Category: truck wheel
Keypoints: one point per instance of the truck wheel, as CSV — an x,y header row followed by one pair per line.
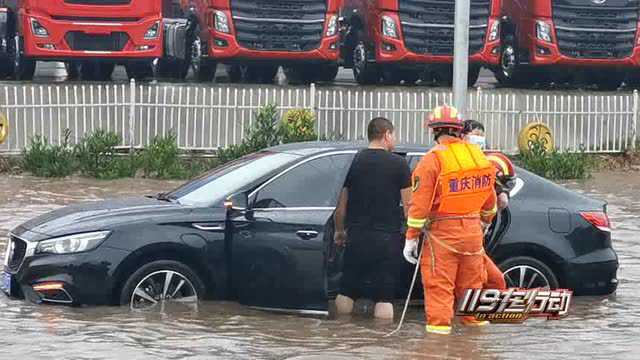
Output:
x,y
164,68
365,72
237,73
23,68
262,74
474,74
204,69
139,70
509,72
73,70
443,75
632,81
608,80
328,72
528,273
160,282
96,71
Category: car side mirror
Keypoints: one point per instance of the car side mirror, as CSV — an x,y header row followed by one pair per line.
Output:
x,y
238,202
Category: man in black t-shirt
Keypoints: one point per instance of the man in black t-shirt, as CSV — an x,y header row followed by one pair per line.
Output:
x,y
369,211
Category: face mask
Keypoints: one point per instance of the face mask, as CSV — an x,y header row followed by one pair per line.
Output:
x,y
477,140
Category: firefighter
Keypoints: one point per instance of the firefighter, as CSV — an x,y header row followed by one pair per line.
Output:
x,y
505,173
453,192
368,221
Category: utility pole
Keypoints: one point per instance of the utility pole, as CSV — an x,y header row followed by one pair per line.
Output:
x,y
461,55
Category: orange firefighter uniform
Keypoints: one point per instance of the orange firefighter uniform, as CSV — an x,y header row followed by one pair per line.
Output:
x,y
453,191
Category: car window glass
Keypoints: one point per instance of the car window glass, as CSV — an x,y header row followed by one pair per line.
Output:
x,y
212,189
315,183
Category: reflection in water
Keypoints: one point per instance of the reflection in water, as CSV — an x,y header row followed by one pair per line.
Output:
x,y
597,327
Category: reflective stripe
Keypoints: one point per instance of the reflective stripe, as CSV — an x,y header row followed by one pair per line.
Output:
x,y
439,329
416,223
490,212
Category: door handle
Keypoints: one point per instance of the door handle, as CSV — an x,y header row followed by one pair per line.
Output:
x,y
209,227
307,234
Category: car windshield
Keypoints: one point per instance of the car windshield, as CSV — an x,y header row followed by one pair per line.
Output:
x,y
212,188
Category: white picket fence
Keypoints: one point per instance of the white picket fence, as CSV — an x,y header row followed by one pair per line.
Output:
x,y
207,118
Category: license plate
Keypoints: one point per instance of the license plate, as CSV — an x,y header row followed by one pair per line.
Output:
x,y
5,282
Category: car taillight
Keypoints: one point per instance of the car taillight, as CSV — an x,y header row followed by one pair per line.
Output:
x,y
598,219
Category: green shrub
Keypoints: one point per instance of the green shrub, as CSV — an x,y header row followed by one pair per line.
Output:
x,y
98,157
298,125
161,159
556,165
46,160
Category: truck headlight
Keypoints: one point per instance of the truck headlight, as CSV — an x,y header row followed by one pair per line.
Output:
x,y
72,243
543,31
389,27
332,26
153,31
221,22
37,29
493,31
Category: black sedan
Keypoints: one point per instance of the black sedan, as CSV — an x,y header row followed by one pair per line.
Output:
x,y
259,230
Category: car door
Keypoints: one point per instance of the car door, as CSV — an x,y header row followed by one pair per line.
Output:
x,y
279,257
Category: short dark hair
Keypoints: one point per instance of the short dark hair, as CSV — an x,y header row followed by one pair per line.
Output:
x,y
437,133
470,125
378,127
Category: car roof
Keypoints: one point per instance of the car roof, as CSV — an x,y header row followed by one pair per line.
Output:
x,y
317,147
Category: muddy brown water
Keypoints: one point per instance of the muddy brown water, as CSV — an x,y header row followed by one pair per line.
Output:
x,y
597,327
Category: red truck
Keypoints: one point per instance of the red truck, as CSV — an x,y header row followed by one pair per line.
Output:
x,y
91,36
404,40
252,37
569,40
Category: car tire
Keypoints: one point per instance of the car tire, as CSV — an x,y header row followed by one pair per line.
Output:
x,y
510,72
156,267
474,75
536,273
23,67
204,69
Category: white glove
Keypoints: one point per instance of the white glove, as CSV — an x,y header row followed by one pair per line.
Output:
x,y
410,251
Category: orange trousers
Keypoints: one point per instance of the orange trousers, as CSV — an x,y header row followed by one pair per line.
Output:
x,y
495,278
445,277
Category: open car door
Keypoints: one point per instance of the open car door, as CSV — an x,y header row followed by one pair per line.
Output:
x,y
278,247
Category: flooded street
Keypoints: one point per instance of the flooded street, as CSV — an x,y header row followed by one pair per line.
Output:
x,y
597,327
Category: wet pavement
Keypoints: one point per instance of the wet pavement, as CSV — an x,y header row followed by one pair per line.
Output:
x,y
597,327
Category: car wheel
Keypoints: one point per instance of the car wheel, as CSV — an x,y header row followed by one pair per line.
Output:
x,y
528,273
162,282
204,69
23,67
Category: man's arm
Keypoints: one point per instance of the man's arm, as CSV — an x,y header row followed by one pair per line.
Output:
x,y
489,209
405,194
340,235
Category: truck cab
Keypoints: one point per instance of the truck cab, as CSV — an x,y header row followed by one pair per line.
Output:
x,y
91,36
407,40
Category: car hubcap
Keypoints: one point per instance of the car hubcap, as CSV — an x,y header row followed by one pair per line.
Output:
x,y
508,61
162,287
526,277
196,54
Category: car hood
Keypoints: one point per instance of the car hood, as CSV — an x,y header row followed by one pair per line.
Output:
x,y
98,215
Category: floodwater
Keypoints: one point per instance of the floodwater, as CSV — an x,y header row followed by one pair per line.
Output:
x,y
597,327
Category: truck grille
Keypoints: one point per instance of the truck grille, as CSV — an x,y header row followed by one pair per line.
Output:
x,y
98,2
428,25
279,25
588,30
17,249
78,40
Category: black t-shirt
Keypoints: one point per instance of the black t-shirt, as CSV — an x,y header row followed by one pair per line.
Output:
x,y
374,182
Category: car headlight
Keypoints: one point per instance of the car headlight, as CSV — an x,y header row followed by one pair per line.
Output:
x,y
543,31
72,243
389,27
493,31
153,32
221,22
37,29
332,26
